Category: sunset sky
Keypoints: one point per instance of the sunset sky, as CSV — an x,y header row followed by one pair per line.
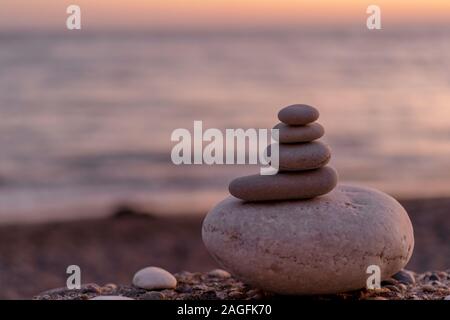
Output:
x,y
172,14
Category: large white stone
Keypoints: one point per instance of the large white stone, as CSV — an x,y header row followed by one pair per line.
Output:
x,y
154,278
317,246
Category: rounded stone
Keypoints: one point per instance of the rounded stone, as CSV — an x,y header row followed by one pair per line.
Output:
x,y
219,273
296,134
284,186
318,246
405,277
154,278
298,114
302,156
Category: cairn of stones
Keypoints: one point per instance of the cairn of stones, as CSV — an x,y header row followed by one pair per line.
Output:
x,y
303,171
288,234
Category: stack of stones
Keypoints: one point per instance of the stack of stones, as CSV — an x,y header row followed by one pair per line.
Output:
x,y
296,232
303,173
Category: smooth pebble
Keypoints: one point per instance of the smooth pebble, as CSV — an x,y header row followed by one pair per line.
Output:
x,y
298,114
296,134
284,186
302,156
152,278
219,273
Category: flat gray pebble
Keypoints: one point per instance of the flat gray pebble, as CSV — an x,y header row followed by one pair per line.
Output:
x,y
405,277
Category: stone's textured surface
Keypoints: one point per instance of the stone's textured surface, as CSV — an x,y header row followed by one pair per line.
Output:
x,y
284,186
111,298
296,134
303,156
405,277
298,114
152,278
318,246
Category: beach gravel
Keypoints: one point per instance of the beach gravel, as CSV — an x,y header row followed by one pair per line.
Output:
x,y
207,286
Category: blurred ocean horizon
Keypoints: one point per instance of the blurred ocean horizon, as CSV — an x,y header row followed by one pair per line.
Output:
x,y
86,119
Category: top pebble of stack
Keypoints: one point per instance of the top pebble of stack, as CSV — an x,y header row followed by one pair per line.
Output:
x,y
298,115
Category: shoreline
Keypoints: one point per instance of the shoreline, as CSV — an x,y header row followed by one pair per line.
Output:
x,y
159,205
34,257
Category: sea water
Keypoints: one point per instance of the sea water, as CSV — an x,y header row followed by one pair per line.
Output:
x,y
86,118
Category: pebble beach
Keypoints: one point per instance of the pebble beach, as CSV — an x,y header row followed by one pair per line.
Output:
x,y
214,286
34,257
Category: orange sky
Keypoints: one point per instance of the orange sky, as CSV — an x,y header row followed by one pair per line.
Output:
x,y
217,13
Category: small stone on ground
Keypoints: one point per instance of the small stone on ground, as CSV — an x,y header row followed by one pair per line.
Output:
x,y
154,278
